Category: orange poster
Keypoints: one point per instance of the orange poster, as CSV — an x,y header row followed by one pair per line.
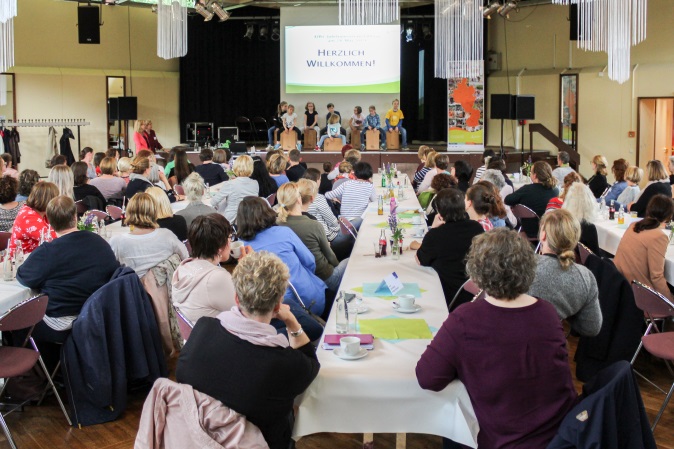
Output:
x,y
465,111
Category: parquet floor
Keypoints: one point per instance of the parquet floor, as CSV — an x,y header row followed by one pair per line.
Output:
x,y
45,428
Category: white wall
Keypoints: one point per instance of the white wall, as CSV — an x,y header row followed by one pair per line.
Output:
x,y
344,103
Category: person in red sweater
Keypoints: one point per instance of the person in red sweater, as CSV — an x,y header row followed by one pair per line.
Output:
x,y
508,349
32,220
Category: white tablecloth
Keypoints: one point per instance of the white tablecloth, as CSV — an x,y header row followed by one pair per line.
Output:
x,y
380,393
12,293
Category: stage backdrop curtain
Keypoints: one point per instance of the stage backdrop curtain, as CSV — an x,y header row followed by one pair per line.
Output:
x,y
224,76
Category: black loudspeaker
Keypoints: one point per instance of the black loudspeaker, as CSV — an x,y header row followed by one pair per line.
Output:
x,y
88,28
502,107
127,108
573,22
238,147
525,107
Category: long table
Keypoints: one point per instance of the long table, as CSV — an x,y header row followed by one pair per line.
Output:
x,y
380,392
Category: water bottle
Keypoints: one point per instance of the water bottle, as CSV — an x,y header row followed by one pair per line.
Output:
x,y
7,268
380,205
18,254
208,190
401,191
342,317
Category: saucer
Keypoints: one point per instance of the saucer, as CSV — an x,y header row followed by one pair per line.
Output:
x,y
339,353
414,309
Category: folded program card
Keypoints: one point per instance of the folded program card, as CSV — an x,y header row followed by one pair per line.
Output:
x,y
391,283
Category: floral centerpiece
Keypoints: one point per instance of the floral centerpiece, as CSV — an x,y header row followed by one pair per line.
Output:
x,y
526,168
87,222
396,232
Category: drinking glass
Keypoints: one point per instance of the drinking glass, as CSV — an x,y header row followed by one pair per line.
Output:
x,y
377,249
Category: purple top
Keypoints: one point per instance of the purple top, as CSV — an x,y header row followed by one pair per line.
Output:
x,y
515,366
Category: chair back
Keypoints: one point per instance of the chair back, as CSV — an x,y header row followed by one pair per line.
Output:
x,y
347,227
260,124
115,212
4,240
184,324
271,199
188,246
583,253
25,314
99,214
81,207
179,189
651,302
470,287
297,295
521,211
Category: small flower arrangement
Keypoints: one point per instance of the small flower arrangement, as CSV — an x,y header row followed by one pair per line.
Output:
x,y
670,227
396,232
86,222
526,168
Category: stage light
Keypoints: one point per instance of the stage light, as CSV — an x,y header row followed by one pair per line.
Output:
x,y
490,9
426,32
264,31
275,32
215,7
506,8
250,30
409,33
203,11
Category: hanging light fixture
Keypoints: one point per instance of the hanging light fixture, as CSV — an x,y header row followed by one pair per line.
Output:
x,y
458,38
368,12
201,9
264,32
409,32
217,8
172,28
504,10
250,30
490,9
7,10
426,32
613,26
7,14
275,32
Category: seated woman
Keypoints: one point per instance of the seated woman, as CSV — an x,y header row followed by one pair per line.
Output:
x,y
496,178
481,204
181,169
463,171
210,171
597,183
440,162
632,192
27,180
423,167
345,173
232,192
509,366
9,207
570,287
440,182
266,183
84,192
124,167
535,196
194,194
618,169
256,223
311,233
355,195
445,246
145,245
240,360
62,177
109,183
277,166
496,163
486,157
580,201
31,221
641,252
141,168
658,184
201,287
165,217
558,201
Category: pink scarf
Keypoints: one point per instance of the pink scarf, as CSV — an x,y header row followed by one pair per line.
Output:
x,y
250,330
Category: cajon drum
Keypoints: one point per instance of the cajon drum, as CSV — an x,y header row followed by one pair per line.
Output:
x,y
372,139
309,138
355,138
288,140
392,140
334,144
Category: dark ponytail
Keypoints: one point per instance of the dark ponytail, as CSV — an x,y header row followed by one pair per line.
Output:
x,y
659,210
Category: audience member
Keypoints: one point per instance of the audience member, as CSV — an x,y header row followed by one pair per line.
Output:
x,y
658,184
240,360
347,152
212,172
181,169
194,193
9,169
231,193
422,168
486,157
440,182
463,171
558,201
295,169
508,365
345,173
84,192
618,169
535,196
277,166
325,185
124,167
58,159
630,195
496,163
481,205
497,213
9,207
98,157
87,156
496,178
165,217
31,221
27,180
266,183
597,183
580,201
355,195
109,184
221,156
441,164
563,168
62,177
570,287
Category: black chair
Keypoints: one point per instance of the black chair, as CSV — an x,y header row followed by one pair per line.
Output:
x,y
246,130
260,126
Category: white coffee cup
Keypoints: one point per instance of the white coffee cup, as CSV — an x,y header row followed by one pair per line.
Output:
x,y
350,345
236,248
416,220
406,301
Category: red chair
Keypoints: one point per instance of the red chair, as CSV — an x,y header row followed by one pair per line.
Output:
x,y
81,207
470,287
271,199
99,214
656,307
15,361
583,253
520,211
347,227
115,212
184,324
4,240
178,189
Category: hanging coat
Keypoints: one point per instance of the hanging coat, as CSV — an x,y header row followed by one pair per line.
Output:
x,y
65,145
14,150
52,147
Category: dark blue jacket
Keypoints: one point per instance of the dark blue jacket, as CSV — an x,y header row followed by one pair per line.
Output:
x,y
115,341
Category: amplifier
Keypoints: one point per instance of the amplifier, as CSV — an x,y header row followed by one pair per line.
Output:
x,y
226,133
199,132
238,147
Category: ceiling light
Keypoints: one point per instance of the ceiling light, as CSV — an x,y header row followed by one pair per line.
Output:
x,y
409,34
203,11
250,30
264,32
218,10
275,32
426,32
506,8
490,9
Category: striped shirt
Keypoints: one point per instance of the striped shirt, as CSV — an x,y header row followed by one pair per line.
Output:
x,y
478,174
420,175
354,196
323,213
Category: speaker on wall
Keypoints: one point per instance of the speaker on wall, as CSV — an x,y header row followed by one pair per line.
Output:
x,y
127,108
502,106
88,28
525,107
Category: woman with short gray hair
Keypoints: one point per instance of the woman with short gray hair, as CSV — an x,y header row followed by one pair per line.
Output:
x,y
194,189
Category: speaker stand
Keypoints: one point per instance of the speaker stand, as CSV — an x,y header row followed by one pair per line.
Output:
x,y
522,147
502,149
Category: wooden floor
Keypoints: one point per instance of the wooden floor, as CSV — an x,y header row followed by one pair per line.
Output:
x,y
45,427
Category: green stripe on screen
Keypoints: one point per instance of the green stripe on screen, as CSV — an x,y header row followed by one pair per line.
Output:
x,y
382,88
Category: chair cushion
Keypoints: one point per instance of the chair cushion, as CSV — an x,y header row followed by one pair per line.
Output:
x,y
660,344
16,361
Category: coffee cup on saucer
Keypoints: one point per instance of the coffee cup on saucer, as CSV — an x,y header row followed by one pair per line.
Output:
x,y
350,345
406,301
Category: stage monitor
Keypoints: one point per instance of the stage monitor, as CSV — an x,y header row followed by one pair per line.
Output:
x,y
342,59
525,107
502,107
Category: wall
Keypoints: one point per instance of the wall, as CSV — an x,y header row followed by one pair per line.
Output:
x,y
538,41
57,78
344,103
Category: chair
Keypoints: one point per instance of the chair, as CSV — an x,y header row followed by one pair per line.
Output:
x,y
310,138
271,199
288,140
372,137
99,214
334,144
15,361
392,140
178,189
355,138
4,240
470,287
583,253
82,207
184,324
522,212
260,126
188,247
656,307
115,212
347,227
246,130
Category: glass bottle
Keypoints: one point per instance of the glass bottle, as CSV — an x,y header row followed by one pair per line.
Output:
x,y
611,211
342,314
380,205
621,215
18,254
7,268
383,179
395,249
401,192
382,242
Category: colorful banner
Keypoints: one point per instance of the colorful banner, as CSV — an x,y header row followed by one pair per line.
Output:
x,y
465,113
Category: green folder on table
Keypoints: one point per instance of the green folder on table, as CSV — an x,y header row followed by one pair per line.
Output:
x,y
396,328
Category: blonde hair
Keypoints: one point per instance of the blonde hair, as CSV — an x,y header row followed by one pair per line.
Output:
x,y
569,180
108,166
580,202
243,166
601,163
634,174
141,211
430,159
124,165
137,125
334,118
162,202
308,189
345,167
656,170
140,164
562,232
287,196
352,153
543,173
194,187
277,164
63,177
260,280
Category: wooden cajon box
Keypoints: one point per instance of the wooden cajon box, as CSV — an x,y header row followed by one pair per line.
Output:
x,y
288,140
309,138
355,138
392,140
372,139
334,144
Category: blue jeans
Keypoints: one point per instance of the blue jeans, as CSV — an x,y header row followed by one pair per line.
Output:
x,y
403,133
336,277
382,136
310,326
320,143
270,135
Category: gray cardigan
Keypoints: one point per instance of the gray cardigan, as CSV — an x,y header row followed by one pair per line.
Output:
x,y
227,200
573,292
193,210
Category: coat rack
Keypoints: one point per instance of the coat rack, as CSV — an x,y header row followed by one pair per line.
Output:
x,y
37,123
